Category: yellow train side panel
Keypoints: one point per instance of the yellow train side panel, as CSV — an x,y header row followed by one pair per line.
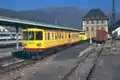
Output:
x,y
55,40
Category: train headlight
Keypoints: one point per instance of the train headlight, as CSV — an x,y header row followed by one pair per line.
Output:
x,y
24,44
39,44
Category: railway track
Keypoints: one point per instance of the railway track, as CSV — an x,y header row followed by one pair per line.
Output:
x,y
91,74
80,70
7,61
10,63
15,65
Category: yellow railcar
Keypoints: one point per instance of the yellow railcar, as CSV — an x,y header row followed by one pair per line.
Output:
x,y
40,39
35,40
83,36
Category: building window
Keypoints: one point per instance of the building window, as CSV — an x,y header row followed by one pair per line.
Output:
x,y
97,28
87,22
102,28
87,29
105,21
92,22
92,28
102,21
97,21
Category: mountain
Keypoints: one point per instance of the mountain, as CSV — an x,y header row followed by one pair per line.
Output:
x,y
65,16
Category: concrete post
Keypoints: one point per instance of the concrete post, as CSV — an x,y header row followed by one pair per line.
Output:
x,y
90,36
17,38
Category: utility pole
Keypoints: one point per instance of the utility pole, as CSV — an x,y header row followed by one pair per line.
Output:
x,y
113,13
113,20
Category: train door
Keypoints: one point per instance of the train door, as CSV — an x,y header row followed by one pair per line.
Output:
x,y
69,38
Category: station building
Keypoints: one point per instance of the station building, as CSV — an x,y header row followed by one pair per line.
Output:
x,y
95,20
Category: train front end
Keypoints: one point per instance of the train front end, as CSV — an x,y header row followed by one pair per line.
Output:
x,y
32,44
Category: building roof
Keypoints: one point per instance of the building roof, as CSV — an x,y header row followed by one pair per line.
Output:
x,y
27,23
95,14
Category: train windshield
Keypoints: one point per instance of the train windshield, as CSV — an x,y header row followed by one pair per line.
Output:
x,y
25,35
39,35
28,35
31,35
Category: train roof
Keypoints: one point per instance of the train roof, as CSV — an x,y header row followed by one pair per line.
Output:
x,y
29,23
8,33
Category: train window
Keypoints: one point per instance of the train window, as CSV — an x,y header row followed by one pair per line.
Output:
x,y
62,35
69,35
25,35
31,35
55,35
52,36
45,36
39,35
72,35
59,35
65,35
48,36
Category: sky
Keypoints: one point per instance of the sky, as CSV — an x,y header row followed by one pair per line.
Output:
x,y
19,5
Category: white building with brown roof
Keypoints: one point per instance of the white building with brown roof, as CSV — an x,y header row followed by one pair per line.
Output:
x,y
95,20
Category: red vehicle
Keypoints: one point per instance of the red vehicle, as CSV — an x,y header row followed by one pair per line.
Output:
x,y
101,36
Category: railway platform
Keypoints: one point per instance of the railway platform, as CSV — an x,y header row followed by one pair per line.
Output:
x,y
53,67
108,64
73,63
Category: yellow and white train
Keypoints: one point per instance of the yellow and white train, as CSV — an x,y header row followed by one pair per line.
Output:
x,y
37,42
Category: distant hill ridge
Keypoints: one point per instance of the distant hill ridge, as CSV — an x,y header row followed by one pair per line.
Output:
x,y
66,16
